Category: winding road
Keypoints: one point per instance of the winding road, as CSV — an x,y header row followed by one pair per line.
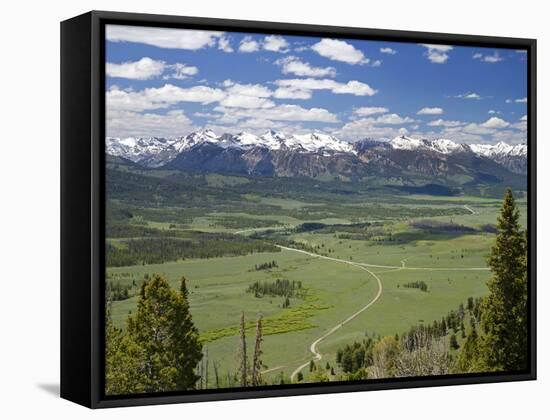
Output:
x,y
363,266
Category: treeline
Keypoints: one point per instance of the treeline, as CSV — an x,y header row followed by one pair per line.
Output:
x,y
279,287
416,285
265,266
202,245
236,222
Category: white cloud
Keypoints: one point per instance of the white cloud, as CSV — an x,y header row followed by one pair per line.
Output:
x,y
225,45
488,58
247,96
143,69
257,90
437,53
158,98
291,93
469,95
493,112
181,71
275,43
495,122
186,39
129,123
245,101
280,113
248,45
294,65
352,87
524,118
376,63
445,123
521,100
339,51
366,111
388,50
368,128
430,111
392,119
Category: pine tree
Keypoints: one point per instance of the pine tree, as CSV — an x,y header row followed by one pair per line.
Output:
x,y
161,345
453,343
243,359
257,363
504,311
468,358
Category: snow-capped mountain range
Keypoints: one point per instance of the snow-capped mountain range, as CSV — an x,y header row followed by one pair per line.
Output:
x,y
140,149
250,149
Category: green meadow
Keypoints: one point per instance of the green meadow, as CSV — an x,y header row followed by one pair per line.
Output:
x,y
401,238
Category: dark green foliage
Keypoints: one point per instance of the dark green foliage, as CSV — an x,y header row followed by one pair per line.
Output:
x,y
279,287
453,343
160,348
505,309
266,266
199,245
119,291
417,285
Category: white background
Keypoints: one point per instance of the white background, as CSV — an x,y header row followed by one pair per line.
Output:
x,y
29,206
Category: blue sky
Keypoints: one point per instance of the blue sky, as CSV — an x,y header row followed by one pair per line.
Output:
x,y
169,82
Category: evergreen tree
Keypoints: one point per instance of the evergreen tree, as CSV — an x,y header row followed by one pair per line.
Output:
x,y
243,359
257,363
504,311
300,377
453,342
468,358
161,347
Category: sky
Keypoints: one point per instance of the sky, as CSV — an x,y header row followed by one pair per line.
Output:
x,y
170,82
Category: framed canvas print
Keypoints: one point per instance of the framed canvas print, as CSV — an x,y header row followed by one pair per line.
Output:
x,y
255,209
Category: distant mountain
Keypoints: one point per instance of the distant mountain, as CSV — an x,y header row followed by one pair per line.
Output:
x,y
321,155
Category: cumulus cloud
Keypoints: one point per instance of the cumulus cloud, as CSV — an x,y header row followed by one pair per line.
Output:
x,y
294,65
368,128
437,53
495,122
430,111
248,45
280,113
338,50
291,93
365,111
180,71
186,39
129,123
388,50
275,43
488,58
143,69
445,123
524,118
225,45
353,87
468,95
158,98
247,96
392,119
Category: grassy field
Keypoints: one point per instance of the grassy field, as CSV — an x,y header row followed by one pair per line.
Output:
x,y
364,228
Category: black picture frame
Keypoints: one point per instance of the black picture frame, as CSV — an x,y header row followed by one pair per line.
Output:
x,y
83,215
